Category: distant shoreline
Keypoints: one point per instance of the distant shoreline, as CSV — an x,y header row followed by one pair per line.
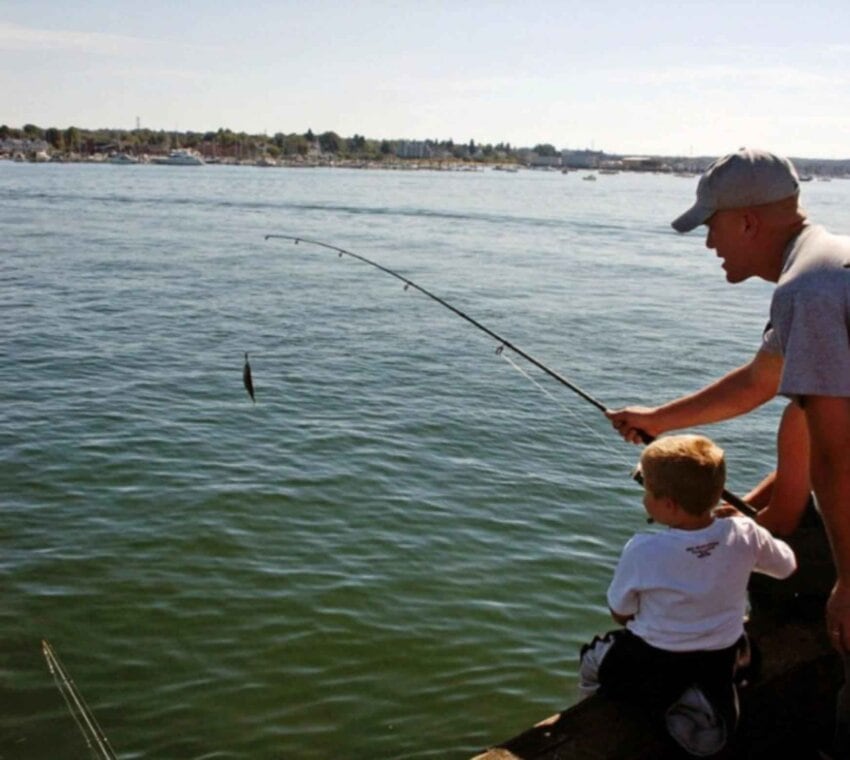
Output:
x,y
386,165
808,169
329,149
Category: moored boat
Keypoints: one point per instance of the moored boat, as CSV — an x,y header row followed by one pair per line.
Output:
x,y
122,158
179,157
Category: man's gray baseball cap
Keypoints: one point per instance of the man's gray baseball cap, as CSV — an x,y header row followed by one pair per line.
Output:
x,y
746,178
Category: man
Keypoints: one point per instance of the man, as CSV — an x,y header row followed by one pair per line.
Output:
x,y
749,202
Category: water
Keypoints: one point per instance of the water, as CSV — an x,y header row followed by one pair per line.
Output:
x,y
398,550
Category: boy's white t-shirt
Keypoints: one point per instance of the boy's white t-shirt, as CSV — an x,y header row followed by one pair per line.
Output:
x,y
687,589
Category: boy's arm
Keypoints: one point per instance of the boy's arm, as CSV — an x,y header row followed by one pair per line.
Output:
x,y
622,593
774,557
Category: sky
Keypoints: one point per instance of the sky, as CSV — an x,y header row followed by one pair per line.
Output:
x,y
636,77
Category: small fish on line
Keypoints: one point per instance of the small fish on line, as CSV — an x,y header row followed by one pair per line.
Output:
x,y
247,379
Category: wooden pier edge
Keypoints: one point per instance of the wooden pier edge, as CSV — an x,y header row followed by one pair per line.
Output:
x,y
787,712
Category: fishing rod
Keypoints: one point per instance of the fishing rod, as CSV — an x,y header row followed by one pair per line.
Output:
x,y
504,343
80,711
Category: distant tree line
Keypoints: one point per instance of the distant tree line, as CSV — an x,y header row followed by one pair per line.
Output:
x,y
225,143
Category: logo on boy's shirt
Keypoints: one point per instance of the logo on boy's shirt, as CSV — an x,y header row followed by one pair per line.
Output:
x,y
703,550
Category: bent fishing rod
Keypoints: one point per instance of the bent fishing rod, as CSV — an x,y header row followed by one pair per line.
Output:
x,y
504,343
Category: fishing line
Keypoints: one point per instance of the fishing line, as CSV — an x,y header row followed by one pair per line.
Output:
x,y
729,497
80,711
605,441
635,472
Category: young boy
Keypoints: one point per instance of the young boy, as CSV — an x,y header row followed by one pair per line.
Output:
x,y
681,593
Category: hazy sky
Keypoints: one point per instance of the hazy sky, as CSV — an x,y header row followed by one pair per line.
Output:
x,y
641,76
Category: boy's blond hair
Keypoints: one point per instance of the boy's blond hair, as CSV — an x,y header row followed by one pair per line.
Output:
x,y
689,469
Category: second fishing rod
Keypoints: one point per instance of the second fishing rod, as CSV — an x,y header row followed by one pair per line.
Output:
x,y
504,343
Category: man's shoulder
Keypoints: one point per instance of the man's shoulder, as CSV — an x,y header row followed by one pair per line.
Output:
x,y
814,250
824,241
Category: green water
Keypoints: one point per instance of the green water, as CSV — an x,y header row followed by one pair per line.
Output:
x,y
398,550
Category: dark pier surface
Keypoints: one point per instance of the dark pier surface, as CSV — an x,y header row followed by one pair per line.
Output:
x,y
787,711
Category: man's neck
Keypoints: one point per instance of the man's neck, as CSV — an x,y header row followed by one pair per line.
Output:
x,y
775,259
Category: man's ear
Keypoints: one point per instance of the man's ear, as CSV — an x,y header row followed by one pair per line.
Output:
x,y
750,223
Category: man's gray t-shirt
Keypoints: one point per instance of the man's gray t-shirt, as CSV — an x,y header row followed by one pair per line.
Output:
x,y
810,315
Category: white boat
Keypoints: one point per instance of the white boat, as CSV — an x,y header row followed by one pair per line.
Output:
x,y
122,158
179,157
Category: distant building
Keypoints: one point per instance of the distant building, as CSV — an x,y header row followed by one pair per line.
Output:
x,y
581,159
611,164
441,154
644,164
525,155
10,146
543,161
412,149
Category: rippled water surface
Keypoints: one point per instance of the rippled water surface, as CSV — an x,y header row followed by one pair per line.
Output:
x,y
394,553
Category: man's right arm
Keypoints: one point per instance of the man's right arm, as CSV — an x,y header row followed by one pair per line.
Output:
x,y
736,393
828,419
781,498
